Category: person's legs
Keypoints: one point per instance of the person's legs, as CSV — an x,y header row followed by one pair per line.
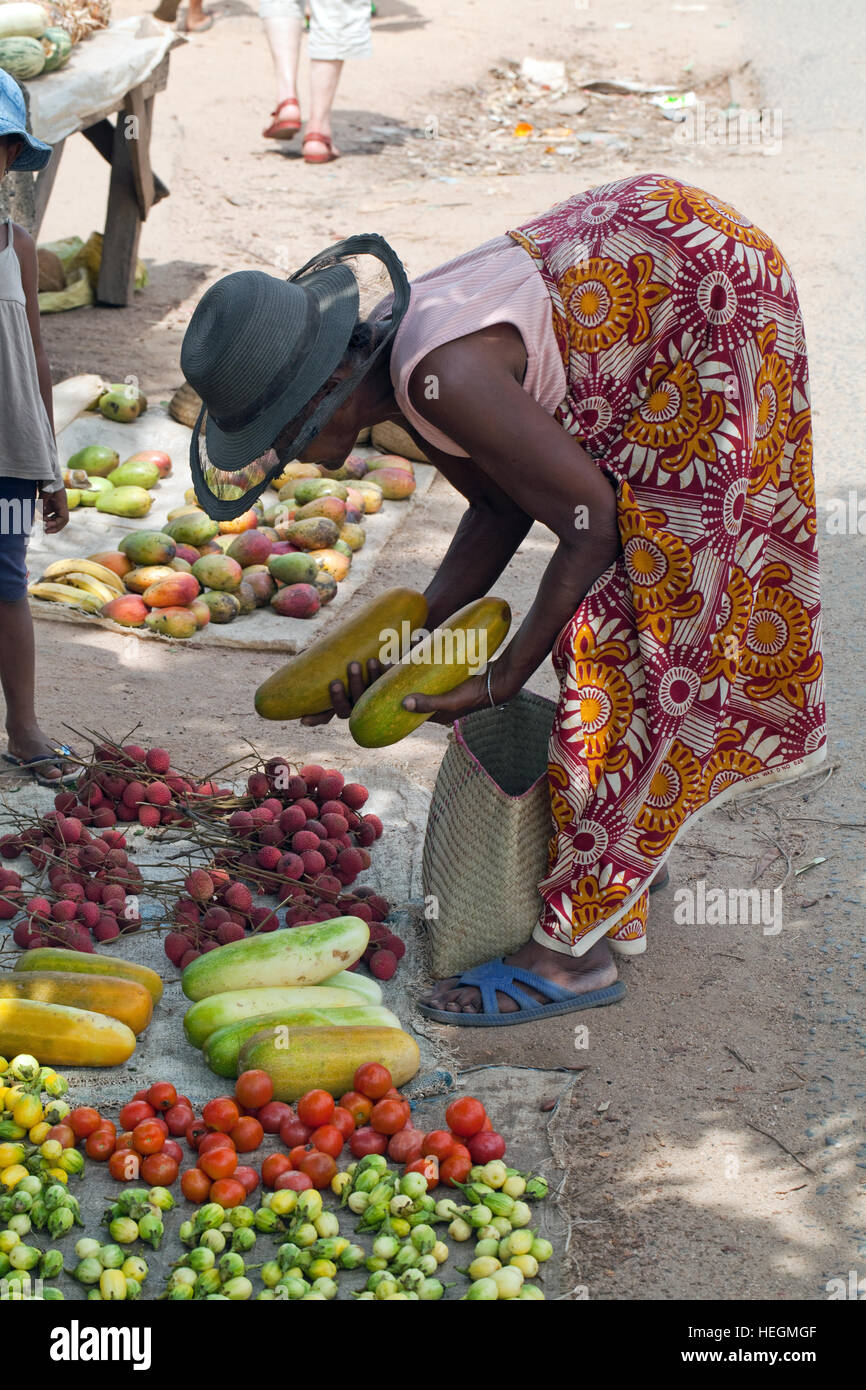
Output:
x,y
17,655
339,29
284,25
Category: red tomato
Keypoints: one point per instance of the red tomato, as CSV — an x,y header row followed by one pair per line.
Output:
x,y
247,1134
108,1126
294,1132
438,1144
124,1165
428,1167
195,1132
359,1107
99,1145
147,1137
184,1100
218,1163
195,1185
486,1145
247,1177
328,1139
406,1145
254,1088
487,1127
162,1096
140,1095
123,1140
172,1150
215,1141
343,1121
64,1134
454,1169
228,1192
160,1170
316,1108
83,1121
388,1116
392,1094
319,1167
158,1120
460,1151
273,1165
297,1153
298,1182
466,1116
367,1141
179,1118
133,1113
272,1115
221,1114
373,1080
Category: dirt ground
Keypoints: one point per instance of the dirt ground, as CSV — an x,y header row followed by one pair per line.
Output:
x,y
714,1134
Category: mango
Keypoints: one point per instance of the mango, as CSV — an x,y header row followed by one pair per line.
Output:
x,y
174,592
292,472
372,495
325,585
332,561
313,534
353,467
223,607
172,622
262,585
187,509
148,548
73,498
245,522
396,483
125,501
297,568
343,548
222,543
196,529
127,609
135,473
353,535
296,601
90,496
95,460
218,572
157,456
120,404
354,500
183,566
201,611
128,389
381,461
188,553
307,489
246,597
140,579
332,507
113,560
250,548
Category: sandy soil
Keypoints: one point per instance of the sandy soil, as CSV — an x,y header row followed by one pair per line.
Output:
x,y
712,1136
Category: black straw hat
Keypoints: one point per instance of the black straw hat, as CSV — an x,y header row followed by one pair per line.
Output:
x,y
258,349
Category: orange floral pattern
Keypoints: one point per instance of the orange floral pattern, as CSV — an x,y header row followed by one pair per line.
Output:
x,y
693,667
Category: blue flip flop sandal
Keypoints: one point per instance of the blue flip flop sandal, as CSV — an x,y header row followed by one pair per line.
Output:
x,y
496,975
31,765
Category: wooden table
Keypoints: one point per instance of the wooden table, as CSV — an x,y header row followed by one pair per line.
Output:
x,y
133,188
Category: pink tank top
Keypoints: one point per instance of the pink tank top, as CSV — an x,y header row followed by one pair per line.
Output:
x,y
496,283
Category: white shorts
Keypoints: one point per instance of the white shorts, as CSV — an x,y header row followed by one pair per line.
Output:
x,y
338,28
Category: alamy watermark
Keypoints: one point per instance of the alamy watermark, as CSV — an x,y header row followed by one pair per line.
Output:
x,y
444,646
746,126
16,516
722,907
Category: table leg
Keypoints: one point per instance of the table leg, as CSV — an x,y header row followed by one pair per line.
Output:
x,y
122,224
43,185
101,137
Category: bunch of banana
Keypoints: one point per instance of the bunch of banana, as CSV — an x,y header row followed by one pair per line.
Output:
x,y
85,584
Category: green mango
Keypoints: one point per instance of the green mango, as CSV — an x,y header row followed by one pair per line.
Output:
x,y
94,460
135,473
121,404
90,496
125,501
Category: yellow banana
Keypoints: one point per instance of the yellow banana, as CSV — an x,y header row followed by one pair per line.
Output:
x,y
65,593
90,586
79,565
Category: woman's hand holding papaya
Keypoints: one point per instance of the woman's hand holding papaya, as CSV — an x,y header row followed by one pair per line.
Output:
x,y
344,695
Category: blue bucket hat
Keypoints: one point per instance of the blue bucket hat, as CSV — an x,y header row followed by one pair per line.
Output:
x,y
13,121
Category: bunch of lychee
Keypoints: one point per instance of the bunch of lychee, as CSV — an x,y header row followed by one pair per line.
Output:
x,y
131,783
91,878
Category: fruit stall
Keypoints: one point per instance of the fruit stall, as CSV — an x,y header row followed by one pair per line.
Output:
x,y
140,556
212,1084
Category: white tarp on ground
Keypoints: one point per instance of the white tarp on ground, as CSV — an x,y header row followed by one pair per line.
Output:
x,y
101,70
90,531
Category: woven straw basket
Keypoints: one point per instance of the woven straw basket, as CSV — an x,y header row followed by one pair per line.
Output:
x,y
487,834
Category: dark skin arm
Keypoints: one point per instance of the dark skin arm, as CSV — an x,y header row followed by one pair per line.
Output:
x,y
55,512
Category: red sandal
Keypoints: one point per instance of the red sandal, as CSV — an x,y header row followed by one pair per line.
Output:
x,y
324,140
283,129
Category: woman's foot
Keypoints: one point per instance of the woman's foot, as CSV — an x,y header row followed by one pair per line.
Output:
x,y
285,120
30,743
319,148
579,974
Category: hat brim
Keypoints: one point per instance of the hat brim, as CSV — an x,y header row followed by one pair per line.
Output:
x,y
34,156
337,317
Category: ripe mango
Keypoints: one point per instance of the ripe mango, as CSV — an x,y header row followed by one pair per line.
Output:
x,y
396,483
372,495
261,583
292,472
297,568
175,592
246,596
223,607
250,548
307,489
296,601
157,456
381,461
114,560
201,611
353,535
332,507
140,579
218,572
333,561
353,467
172,622
245,522
125,501
148,548
127,609
325,585
121,404
313,534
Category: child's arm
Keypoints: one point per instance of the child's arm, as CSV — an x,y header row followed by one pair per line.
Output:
x,y
55,511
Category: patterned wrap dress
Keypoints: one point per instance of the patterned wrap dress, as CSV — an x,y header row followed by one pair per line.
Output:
x,y
692,669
